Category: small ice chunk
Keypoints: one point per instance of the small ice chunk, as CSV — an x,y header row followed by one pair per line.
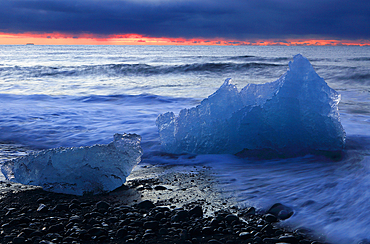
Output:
x,y
78,170
296,114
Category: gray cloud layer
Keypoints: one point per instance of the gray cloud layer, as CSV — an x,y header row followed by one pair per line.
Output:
x,y
240,19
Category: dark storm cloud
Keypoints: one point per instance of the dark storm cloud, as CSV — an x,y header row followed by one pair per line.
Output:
x,y
240,19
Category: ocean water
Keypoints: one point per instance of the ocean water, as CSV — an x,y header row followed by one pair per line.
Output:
x,y
52,96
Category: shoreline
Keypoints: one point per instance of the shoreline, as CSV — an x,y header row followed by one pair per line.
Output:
x,y
157,204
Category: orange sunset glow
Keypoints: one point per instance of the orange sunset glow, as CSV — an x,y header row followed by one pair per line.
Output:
x,y
137,39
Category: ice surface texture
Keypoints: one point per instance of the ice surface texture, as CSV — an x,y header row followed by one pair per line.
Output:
x,y
296,114
78,170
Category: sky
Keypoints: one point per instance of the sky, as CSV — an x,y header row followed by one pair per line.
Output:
x,y
218,22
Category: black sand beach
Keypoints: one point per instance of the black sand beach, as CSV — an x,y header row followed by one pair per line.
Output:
x,y
156,205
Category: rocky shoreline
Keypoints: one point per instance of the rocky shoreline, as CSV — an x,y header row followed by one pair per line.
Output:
x,y
170,207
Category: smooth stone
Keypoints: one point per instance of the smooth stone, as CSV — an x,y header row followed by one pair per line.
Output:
x,y
151,225
97,231
19,240
56,228
214,222
42,208
281,211
102,205
197,211
289,239
207,230
61,207
257,239
163,231
160,188
28,231
270,218
245,235
121,232
251,211
36,233
46,242
75,219
93,215
148,235
74,206
147,204
159,216
214,241
268,229
231,217
270,240
180,216
112,220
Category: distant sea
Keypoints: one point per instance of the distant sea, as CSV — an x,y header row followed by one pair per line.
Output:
x,y
52,96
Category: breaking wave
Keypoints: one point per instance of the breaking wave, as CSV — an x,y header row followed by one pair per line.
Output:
x,y
131,69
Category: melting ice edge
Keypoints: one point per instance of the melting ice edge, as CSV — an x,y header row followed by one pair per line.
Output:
x,y
294,115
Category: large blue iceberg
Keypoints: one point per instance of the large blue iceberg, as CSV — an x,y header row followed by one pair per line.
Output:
x,y
296,114
78,170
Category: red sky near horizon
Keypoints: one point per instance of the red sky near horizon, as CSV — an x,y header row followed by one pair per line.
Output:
x,y
136,39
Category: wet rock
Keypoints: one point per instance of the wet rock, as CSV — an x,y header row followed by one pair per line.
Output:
x,y
257,240
148,236
214,241
159,216
160,188
70,239
153,225
289,239
231,217
56,228
163,231
27,231
46,242
245,235
61,207
250,211
74,206
271,240
41,200
197,212
281,211
268,229
42,208
214,222
112,220
147,204
97,231
19,240
102,205
310,242
207,231
36,233
270,218
195,231
180,216
121,232
23,220
93,215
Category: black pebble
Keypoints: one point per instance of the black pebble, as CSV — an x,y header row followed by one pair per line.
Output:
x,y
160,188
102,205
197,211
146,205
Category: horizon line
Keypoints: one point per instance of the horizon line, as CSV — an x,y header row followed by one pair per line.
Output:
x,y
137,39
